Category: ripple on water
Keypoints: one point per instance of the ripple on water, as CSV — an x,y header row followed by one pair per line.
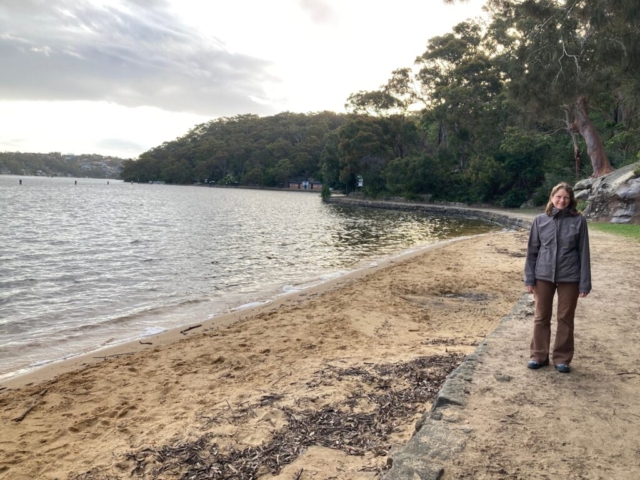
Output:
x,y
79,266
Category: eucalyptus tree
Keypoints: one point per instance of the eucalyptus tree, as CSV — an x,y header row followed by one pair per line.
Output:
x,y
460,81
560,56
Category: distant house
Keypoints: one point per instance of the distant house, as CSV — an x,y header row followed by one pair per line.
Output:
x,y
305,185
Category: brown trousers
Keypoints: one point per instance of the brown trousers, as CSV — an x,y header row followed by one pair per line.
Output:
x,y
567,302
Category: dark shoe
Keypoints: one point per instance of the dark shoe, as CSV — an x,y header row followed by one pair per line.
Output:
x,y
536,365
563,368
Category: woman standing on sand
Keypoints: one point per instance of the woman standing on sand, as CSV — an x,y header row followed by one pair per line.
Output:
x,y
557,260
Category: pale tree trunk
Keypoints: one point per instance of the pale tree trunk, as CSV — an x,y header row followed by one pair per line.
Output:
x,y
574,139
442,135
595,147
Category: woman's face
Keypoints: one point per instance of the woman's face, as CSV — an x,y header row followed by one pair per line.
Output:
x,y
561,199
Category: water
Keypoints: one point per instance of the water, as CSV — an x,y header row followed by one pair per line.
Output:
x,y
94,264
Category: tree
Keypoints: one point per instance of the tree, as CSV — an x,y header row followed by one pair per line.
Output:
x,y
364,150
562,54
282,172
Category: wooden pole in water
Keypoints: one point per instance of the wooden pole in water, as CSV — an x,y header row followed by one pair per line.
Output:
x,y
20,181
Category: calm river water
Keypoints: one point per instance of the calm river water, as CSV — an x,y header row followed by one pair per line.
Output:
x,y
89,265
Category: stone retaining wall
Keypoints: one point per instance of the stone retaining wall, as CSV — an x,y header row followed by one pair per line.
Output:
x,y
491,216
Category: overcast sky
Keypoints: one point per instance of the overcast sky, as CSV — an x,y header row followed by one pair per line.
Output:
x,y
117,77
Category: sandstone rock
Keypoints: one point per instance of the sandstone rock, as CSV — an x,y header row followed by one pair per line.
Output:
x,y
584,184
615,197
582,195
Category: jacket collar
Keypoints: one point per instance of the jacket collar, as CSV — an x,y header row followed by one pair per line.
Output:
x,y
559,213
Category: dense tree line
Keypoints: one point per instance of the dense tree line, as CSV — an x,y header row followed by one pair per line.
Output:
x,y
493,111
246,149
56,164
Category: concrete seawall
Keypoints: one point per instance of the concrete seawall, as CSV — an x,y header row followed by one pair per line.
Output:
x,y
507,219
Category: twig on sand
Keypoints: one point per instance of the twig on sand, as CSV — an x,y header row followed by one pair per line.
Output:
x,y
190,328
31,407
280,378
146,343
298,475
117,355
229,405
628,373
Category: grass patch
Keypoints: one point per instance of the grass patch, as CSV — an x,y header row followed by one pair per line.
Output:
x,y
626,230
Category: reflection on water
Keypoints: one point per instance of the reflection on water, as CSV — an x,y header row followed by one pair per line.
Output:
x,y
87,265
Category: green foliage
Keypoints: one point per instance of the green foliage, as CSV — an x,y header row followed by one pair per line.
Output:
x,y
625,230
262,151
228,180
485,115
326,191
57,165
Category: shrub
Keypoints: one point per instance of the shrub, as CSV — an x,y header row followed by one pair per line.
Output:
x,y
326,191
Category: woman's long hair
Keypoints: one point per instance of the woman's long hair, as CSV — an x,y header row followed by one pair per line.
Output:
x,y
573,204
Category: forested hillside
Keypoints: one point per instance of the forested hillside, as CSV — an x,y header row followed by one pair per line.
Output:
x,y
493,111
56,164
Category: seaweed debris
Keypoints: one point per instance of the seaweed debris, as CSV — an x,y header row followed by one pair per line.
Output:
x,y
397,392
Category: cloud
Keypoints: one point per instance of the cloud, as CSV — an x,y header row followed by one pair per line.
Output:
x,y
120,144
133,53
319,11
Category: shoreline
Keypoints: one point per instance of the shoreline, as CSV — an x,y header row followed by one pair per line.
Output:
x,y
313,351
507,218
53,368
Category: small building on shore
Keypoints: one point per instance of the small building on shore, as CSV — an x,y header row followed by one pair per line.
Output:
x,y
305,185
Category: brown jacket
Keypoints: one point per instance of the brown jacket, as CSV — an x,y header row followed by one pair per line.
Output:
x,y
558,250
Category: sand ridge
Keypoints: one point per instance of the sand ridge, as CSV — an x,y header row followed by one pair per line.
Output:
x,y
88,421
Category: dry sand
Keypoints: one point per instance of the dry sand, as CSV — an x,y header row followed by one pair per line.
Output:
x,y
226,378
546,425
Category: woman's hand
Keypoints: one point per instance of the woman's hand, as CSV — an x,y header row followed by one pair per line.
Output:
x,y
582,295
530,289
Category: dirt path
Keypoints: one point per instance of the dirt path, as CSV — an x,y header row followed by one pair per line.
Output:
x,y
523,424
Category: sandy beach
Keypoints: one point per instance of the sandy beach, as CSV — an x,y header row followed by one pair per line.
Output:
x,y
283,388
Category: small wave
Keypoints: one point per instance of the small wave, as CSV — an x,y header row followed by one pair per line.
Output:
x,y
135,315
40,363
250,305
290,288
333,275
149,331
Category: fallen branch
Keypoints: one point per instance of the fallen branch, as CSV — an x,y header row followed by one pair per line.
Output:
x,y
280,378
33,405
146,343
117,355
628,373
190,328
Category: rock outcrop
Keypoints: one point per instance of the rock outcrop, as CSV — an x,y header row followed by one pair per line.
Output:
x,y
612,198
